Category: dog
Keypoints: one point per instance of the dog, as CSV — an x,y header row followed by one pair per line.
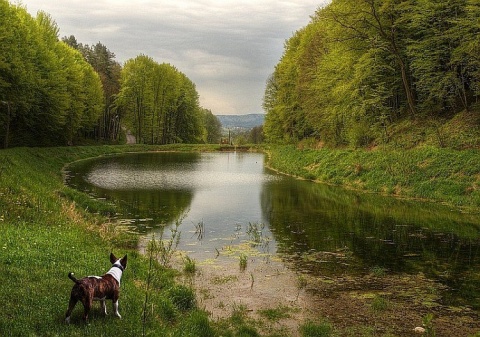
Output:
x,y
95,288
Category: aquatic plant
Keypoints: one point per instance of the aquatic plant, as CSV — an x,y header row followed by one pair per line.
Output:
x,y
243,261
428,325
311,329
189,265
200,230
379,303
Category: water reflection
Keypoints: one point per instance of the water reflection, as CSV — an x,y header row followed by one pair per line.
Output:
x,y
326,230
230,198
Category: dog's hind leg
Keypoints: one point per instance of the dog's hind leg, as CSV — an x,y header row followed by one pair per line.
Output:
x,y
104,307
87,305
71,305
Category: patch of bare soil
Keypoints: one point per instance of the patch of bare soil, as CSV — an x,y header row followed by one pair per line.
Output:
x,y
368,305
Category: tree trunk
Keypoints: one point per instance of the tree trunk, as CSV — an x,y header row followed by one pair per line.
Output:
x,y
7,126
407,88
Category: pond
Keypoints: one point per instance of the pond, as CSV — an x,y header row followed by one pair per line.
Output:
x,y
227,199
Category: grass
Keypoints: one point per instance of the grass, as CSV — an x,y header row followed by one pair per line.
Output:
x,y
243,261
189,265
276,314
439,174
46,232
312,329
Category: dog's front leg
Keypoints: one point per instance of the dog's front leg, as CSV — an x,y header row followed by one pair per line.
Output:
x,y
115,309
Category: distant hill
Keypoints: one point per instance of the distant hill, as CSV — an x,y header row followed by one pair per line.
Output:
x,y
241,121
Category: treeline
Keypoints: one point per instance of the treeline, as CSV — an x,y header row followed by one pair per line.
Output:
x,y
48,92
360,66
61,92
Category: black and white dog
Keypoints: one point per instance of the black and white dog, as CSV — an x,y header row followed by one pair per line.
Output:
x,y
106,287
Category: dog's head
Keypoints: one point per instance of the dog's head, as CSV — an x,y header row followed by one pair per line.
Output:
x,y
116,261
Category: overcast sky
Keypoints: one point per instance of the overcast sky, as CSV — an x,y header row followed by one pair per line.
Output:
x,y
227,48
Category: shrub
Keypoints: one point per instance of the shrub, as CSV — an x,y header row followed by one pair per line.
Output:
x,y
183,298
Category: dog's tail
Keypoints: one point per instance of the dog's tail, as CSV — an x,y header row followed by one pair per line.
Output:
x,y
71,277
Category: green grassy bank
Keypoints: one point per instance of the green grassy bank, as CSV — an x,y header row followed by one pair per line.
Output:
x,y
442,175
44,235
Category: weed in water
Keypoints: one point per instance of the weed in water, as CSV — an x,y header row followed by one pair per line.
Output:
x,y
200,230
311,329
301,284
378,271
428,325
243,262
276,314
168,247
219,280
379,304
189,265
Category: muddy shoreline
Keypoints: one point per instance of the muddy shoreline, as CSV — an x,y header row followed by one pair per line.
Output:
x,y
372,304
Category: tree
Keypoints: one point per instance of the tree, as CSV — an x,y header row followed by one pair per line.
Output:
x,y
103,62
161,103
213,127
377,23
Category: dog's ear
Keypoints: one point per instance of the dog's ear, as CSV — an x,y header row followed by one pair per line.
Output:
x,y
113,258
123,261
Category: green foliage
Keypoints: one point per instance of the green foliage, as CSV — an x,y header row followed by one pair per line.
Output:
x,y
276,314
189,265
243,262
428,324
160,103
49,95
379,304
311,329
213,127
183,297
103,62
359,67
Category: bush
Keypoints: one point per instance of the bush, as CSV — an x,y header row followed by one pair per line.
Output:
x,y
183,298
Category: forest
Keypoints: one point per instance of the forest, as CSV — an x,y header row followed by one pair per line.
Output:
x,y
359,68
56,92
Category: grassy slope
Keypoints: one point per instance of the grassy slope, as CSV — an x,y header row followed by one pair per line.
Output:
x,y
43,236
443,175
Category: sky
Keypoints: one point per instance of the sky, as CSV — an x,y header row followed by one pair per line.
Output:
x,y
227,48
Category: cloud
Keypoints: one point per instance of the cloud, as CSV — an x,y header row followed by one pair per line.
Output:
x,y
227,48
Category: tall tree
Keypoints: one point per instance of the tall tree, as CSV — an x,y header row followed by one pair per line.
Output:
x,y
161,103
213,127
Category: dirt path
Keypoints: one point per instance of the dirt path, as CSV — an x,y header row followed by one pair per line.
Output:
x,y
130,138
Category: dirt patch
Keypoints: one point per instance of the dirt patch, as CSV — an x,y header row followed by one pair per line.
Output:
x,y
366,305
